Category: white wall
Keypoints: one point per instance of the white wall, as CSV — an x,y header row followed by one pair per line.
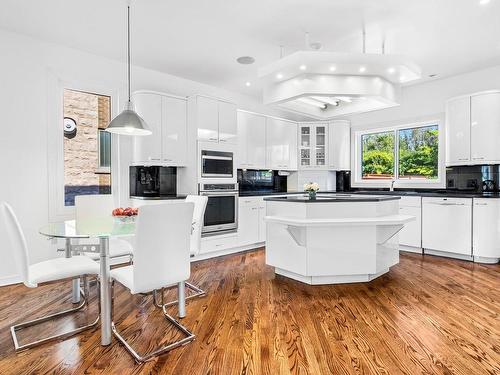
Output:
x,y
27,68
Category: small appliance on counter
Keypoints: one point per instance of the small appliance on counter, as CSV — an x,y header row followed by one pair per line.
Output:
x,y
343,181
153,182
260,182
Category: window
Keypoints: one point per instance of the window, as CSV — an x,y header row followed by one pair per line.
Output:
x,y
406,154
87,147
378,156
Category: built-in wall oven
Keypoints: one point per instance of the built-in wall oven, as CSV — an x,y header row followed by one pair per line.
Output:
x,y
221,214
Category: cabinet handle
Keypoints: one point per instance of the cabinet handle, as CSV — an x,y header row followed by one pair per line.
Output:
x,y
254,208
156,159
222,140
481,204
463,159
212,139
482,158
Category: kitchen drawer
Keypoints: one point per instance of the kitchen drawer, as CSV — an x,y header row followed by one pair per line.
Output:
x,y
218,243
410,202
447,201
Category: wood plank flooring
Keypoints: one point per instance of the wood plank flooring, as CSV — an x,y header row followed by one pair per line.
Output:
x,y
428,315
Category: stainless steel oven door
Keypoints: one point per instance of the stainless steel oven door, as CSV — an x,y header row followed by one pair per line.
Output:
x,y
221,214
216,164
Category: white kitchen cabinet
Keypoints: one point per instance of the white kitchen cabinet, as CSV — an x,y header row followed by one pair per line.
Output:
x,y
215,120
458,131
248,221
262,223
486,230
281,138
339,145
251,140
166,116
207,119
313,145
447,225
485,128
149,107
174,131
473,129
411,234
227,122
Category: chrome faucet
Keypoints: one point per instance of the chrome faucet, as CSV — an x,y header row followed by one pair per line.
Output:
x,y
392,185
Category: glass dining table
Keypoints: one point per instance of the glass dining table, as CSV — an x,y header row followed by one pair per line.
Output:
x,y
100,229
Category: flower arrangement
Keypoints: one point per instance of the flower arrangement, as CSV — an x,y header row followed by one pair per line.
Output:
x,y
311,188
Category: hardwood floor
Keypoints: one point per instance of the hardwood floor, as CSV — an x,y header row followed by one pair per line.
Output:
x,y
428,315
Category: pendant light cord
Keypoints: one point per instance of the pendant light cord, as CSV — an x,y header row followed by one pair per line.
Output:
x,y
128,49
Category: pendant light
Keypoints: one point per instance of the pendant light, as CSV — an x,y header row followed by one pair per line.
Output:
x,y
128,122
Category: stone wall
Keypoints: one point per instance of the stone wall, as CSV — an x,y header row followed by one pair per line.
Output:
x,y
81,159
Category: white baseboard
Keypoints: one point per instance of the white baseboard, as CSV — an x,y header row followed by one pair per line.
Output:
x,y
220,253
411,249
9,280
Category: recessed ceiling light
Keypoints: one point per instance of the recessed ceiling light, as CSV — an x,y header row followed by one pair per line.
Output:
x,y
279,75
391,70
245,60
484,2
302,67
333,68
362,69
248,84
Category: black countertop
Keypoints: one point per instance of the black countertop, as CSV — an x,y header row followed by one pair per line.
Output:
x,y
257,193
159,198
332,197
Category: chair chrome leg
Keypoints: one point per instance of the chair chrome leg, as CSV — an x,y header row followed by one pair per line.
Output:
x,y
30,323
198,292
166,348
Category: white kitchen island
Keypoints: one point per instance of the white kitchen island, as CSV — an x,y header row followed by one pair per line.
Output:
x,y
337,238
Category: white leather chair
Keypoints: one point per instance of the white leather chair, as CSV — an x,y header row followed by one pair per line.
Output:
x,y
89,207
200,205
44,272
161,259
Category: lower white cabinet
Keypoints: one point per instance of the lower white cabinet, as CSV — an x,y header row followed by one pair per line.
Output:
x,y
262,223
447,225
411,234
248,220
486,230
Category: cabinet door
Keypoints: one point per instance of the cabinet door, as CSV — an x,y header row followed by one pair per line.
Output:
x,y
486,228
339,145
174,131
248,222
290,156
227,122
256,142
485,128
149,107
262,223
243,124
320,141
411,234
207,118
458,131
447,225
306,154
281,139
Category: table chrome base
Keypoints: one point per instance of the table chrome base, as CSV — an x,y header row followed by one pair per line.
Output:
x,y
198,292
161,350
20,326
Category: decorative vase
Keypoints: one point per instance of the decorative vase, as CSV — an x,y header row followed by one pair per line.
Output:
x,y
312,195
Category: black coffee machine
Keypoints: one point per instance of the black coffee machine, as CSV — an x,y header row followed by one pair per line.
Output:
x,y
152,181
343,181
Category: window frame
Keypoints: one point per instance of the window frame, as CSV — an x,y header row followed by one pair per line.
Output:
x,y
101,168
357,181
58,211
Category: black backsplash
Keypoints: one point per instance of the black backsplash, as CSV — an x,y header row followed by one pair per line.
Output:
x,y
473,178
253,180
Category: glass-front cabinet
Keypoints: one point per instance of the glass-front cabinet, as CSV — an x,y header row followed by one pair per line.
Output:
x,y
313,145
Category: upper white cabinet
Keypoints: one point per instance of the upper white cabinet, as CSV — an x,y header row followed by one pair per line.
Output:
x,y
251,140
166,117
215,120
473,129
339,145
485,128
281,137
313,140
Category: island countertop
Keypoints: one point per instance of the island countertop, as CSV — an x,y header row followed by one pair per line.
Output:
x,y
332,197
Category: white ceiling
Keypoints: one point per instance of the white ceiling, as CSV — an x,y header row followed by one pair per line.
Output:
x,y
200,39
